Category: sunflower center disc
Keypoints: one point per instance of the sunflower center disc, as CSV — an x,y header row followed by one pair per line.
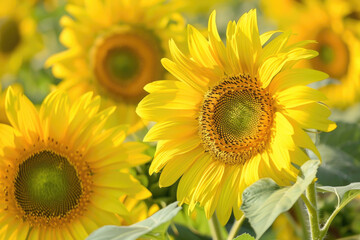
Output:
x,y
333,54
47,185
125,62
235,119
236,115
9,35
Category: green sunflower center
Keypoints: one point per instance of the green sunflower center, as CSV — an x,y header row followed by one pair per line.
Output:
x,y
326,54
47,185
125,61
333,54
9,35
235,119
236,115
123,64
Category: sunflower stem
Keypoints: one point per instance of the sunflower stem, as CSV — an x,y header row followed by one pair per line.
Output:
x,y
311,205
235,228
300,215
215,228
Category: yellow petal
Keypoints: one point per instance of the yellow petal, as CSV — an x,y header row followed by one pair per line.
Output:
x,y
22,115
298,95
178,165
295,77
312,115
169,148
172,130
54,115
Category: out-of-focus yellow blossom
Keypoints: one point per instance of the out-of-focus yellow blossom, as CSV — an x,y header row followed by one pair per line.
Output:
x,y
114,50
19,39
338,44
283,229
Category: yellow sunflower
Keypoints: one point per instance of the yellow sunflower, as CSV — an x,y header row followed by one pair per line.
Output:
x,y
61,172
19,40
337,43
237,113
114,49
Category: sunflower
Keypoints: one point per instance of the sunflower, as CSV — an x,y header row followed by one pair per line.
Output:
x,y
337,43
19,40
63,173
114,49
237,113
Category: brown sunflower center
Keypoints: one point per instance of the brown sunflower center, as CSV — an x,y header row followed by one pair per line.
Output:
x,y
333,54
235,119
47,185
9,35
125,61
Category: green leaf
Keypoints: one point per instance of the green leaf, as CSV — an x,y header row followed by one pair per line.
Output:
x,y
264,201
340,151
136,230
244,236
345,194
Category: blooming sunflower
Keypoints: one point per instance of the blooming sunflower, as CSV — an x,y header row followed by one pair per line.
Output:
x,y
114,49
237,113
19,40
61,172
337,43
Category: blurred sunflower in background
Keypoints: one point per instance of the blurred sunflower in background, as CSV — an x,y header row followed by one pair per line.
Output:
x,y
337,42
237,113
19,39
114,49
63,173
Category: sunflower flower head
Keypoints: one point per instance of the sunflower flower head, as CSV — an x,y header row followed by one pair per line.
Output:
x,y
19,40
236,113
114,49
62,172
334,25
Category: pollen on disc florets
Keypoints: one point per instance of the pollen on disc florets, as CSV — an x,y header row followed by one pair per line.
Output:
x,y
235,119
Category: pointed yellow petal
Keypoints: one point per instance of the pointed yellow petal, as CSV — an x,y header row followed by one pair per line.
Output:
x,y
295,77
22,115
298,95
172,130
312,115
178,165
54,115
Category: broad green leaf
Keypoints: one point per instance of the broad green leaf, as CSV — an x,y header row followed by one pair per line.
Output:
x,y
264,201
340,151
345,194
136,230
244,236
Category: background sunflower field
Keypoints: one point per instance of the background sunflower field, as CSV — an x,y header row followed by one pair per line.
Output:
x,y
81,99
